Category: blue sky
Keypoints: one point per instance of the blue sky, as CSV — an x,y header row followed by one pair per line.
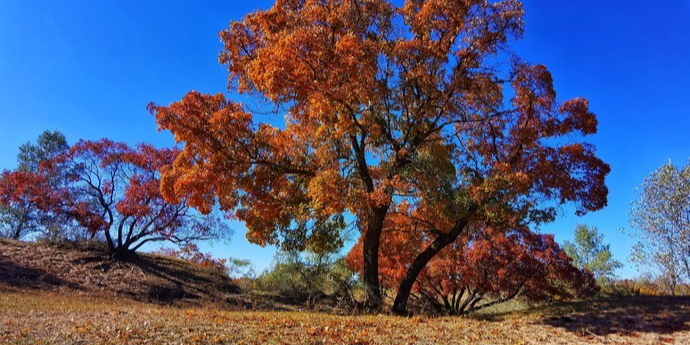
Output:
x,y
89,71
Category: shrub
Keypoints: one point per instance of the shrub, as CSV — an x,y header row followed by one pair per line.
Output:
x,y
643,286
309,277
191,253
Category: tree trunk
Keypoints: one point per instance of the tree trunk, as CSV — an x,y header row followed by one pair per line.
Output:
x,y
372,239
673,289
121,253
109,240
448,304
17,233
400,304
18,230
473,304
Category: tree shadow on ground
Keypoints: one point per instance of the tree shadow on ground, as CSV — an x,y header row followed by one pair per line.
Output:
x,y
90,268
181,283
663,315
16,276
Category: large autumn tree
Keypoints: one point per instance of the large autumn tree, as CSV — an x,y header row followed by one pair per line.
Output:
x,y
112,192
421,103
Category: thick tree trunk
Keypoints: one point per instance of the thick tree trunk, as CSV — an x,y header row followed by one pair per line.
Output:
x,y
372,239
374,226
109,241
121,253
118,250
405,288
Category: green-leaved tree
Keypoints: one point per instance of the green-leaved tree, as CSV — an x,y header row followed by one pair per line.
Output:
x,y
660,218
22,219
589,252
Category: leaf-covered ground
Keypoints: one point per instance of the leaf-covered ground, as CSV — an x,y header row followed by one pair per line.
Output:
x,y
55,318
65,295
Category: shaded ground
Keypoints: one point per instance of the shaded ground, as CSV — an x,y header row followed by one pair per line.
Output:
x,y
87,270
662,315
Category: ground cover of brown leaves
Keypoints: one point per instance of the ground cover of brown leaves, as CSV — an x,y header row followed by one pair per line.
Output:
x,y
54,318
87,269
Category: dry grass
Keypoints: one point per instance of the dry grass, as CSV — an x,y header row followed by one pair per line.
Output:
x,y
88,270
57,318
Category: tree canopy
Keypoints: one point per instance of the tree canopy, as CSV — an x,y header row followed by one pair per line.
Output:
x,y
660,218
419,111
589,252
112,190
21,218
481,269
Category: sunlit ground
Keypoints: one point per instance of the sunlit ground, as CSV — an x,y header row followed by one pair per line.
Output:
x,y
52,318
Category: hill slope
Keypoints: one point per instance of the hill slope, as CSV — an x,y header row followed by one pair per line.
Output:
x,y
88,270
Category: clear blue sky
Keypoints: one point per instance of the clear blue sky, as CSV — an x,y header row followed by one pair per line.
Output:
x,y
89,69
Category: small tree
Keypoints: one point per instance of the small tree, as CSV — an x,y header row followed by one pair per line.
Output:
x,y
309,267
660,218
310,277
589,252
21,217
113,190
49,145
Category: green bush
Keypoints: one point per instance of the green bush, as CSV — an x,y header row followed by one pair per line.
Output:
x,y
309,277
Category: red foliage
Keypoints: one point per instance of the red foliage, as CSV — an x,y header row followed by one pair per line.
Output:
x,y
483,269
113,190
26,186
191,253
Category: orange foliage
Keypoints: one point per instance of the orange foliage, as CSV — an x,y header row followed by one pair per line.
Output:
x,y
385,105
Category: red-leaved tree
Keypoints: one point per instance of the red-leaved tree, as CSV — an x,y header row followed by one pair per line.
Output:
x,y
191,253
31,190
484,269
114,192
